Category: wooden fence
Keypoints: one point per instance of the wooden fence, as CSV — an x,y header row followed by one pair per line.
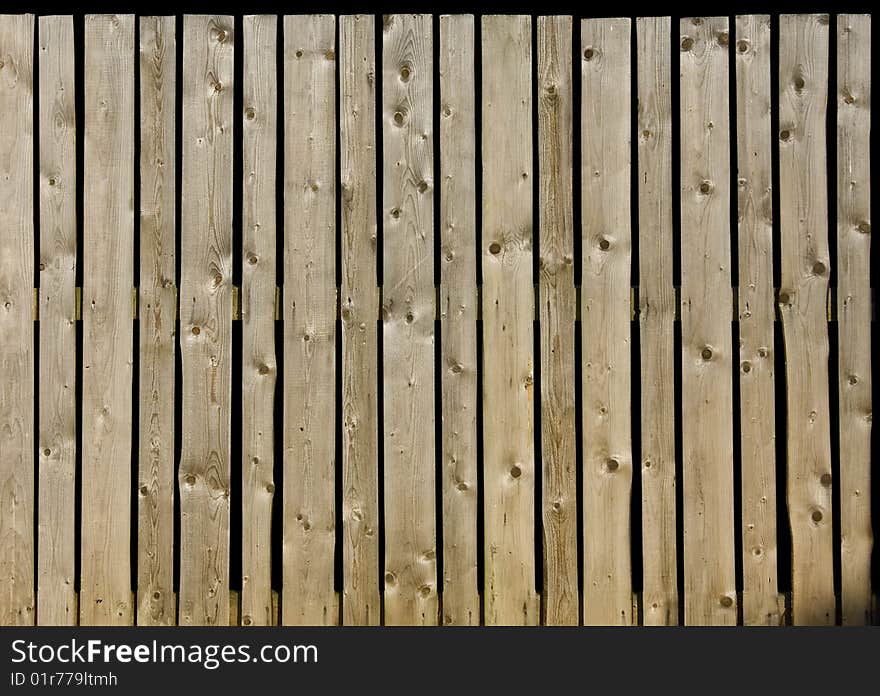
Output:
x,y
435,320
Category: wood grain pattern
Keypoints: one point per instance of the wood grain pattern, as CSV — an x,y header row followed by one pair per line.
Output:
x,y
605,320
707,385
158,332
56,446
762,604
108,329
206,319
360,449
508,300
656,322
458,314
557,313
309,316
258,365
854,313
410,579
803,198
16,320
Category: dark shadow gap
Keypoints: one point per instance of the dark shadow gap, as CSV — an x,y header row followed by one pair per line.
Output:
x,y
380,332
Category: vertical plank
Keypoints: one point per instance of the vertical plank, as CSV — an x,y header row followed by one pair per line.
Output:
x,y
707,384
508,299
558,309
206,318
360,450
108,336
309,514
410,588
656,322
16,320
761,601
605,317
56,447
803,198
258,365
458,294
158,314
854,312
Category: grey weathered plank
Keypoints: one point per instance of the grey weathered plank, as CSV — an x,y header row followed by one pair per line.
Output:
x,y
605,320
360,470
16,320
108,336
707,385
56,447
508,297
309,317
803,199
206,319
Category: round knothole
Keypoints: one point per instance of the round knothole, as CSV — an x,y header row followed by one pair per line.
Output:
x,y
799,83
456,369
425,590
726,601
515,472
270,488
423,186
819,268
447,112
196,331
144,491
462,486
723,38
264,369
853,380
747,367
687,43
784,298
864,227
785,135
250,114
246,621
330,55
612,465
221,36
589,53
404,74
190,480
389,578
825,480
410,318
762,352
604,244
52,181
742,46
157,595
47,452
816,516
705,187
706,353
398,118
299,54
395,213
494,248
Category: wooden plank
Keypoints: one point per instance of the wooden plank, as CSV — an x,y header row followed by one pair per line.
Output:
x,y
309,316
762,603
108,329
258,365
605,320
707,385
56,447
656,322
206,318
508,296
803,198
360,448
158,314
854,312
410,588
16,320
458,314
557,313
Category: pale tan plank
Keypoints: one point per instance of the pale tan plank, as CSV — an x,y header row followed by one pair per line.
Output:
x,y
360,470
410,587
56,602
258,364
309,316
16,320
206,318
508,299
108,337
158,313
558,309
854,312
803,96
707,385
605,318
656,322
762,603
458,298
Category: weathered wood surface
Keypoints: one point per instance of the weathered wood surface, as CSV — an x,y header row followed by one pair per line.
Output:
x,y
458,314
56,445
359,312
707,385
17,553
309,314
108,328
605,319
206,319
258,365
657,311
762,604
803,198
854,313
508,308
410,575
157,305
